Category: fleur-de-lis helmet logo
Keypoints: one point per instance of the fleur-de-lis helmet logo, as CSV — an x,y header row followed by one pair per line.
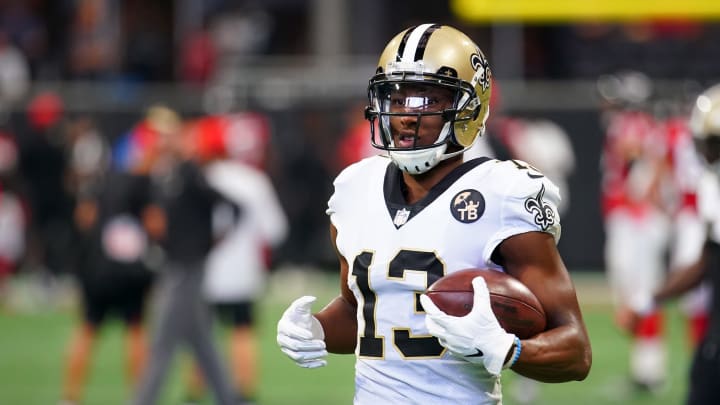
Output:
x,y
482,69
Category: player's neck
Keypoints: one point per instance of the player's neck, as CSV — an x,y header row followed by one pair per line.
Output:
x,y
418,185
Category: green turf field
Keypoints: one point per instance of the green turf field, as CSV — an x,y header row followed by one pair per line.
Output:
x,y
32,345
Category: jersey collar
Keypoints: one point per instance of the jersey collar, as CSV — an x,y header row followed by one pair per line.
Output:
x,y
399,210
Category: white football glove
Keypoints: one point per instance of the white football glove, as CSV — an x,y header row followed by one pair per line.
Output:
x,y
477,337
300,335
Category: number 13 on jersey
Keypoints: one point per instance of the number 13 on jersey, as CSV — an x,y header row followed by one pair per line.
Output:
x,y
370,344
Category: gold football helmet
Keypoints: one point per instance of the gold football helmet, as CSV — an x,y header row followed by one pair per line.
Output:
x,y
419,68
705,126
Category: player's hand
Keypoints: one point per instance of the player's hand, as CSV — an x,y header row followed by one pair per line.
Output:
x,y
477,336
630,313
300,335
627,319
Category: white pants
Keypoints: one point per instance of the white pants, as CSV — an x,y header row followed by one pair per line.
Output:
x,y
634,253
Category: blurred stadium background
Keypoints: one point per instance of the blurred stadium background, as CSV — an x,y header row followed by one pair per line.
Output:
x,y
304,65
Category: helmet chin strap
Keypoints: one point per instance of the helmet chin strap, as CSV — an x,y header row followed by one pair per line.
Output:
x,y
418,161
414,162
422,160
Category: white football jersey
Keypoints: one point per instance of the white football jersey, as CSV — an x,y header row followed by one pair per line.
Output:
x,y
395,251
235,268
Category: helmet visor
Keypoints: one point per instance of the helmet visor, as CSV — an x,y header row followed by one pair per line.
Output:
x,y
413,97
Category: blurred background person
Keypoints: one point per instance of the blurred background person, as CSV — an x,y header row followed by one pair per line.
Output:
x,y
682,171
88,154
636,226
94,40
43,166
13,221
112,255
248,231
705,369
180,220
14,75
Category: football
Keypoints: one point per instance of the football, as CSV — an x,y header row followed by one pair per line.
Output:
x,y
516,308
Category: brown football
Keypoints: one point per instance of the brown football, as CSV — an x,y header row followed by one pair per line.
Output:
x,y
514,305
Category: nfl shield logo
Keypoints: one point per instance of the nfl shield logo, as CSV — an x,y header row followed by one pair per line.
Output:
x,y
401,216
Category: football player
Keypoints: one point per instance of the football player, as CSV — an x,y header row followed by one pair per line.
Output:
x,y
685,167
636,226
403,220
705,371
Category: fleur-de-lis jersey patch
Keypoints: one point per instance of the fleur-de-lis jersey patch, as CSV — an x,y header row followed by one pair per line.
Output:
x,y
543,214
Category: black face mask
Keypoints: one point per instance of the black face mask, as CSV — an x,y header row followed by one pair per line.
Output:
x,y
709,148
